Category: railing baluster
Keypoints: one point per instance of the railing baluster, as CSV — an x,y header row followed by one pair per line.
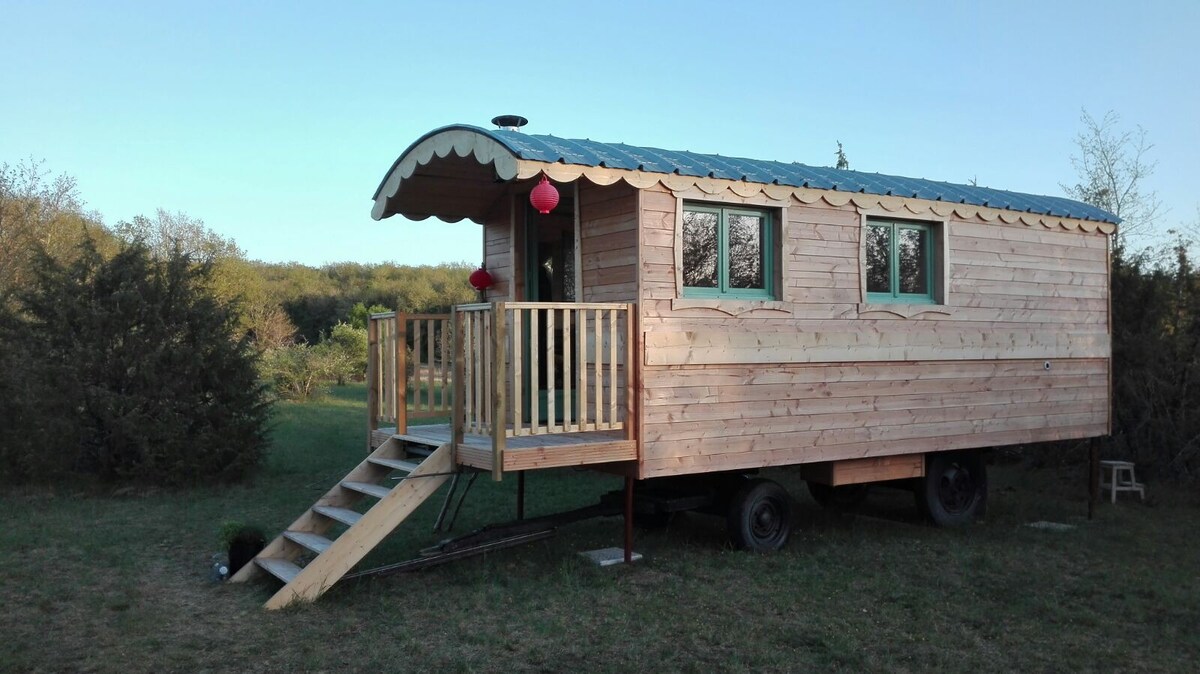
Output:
x,y
518,374
551,348
568,349
535,386
598,377
581,349
612,367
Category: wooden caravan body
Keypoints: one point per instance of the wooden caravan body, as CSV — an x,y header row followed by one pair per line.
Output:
x,y
685,315
1004,339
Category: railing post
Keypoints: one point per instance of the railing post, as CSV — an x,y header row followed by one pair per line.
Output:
x,y
372,377
456,415
499,389
631,371
401,393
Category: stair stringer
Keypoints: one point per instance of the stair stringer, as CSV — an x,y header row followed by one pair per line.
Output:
x,y
311,522
348,549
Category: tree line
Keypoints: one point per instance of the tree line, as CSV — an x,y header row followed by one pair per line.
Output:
x,y
150,351
107,333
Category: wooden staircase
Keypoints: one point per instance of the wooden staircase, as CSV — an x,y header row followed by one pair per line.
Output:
x,y
336,556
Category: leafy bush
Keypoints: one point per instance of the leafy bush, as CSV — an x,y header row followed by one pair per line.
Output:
x,y
142,379
296,372
1156,365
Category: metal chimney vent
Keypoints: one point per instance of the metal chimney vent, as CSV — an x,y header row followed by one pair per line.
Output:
x,y
510,122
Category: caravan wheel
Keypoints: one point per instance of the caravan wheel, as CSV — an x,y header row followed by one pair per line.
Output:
x,y
760,516
954,489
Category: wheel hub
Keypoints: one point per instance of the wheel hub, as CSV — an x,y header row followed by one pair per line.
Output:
x,y
956,489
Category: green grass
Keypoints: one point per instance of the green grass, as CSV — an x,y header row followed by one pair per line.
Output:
x,y
94,582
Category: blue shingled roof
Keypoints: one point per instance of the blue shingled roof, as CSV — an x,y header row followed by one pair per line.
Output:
x,y
552,149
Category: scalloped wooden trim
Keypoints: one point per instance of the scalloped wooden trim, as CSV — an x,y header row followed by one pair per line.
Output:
x,y
891,204
901,310
731,307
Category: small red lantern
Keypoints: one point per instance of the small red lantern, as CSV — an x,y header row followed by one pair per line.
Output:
x,y
480,279
544,197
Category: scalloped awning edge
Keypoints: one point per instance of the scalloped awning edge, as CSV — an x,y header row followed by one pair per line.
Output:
x,y
676,183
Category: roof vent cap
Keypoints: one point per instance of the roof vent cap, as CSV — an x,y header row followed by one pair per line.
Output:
x,y
510,122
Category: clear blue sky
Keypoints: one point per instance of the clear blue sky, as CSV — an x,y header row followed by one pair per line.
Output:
x,y
274,122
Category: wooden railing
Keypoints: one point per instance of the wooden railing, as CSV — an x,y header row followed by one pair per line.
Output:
x,y
408,368
504,370
529,368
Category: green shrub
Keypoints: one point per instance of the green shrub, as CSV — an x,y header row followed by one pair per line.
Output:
x,y
141,377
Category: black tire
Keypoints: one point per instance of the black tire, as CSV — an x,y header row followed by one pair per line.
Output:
x,y
760,516
845,497
954,489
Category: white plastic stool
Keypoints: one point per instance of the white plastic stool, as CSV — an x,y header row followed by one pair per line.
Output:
x,y
1120,478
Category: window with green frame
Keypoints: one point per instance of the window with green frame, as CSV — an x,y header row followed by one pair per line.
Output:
x,y
727,252
900,262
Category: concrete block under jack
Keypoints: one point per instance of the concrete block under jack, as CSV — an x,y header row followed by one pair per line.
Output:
x,y
608,556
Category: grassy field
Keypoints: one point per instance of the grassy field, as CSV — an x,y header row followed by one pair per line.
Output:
x,y
119,583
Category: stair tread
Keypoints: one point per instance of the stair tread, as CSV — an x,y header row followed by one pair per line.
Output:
x,y
396,464
280,568
314,542
344,515
376,490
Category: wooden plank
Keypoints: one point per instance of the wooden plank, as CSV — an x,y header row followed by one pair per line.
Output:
x,y
720,347
569,455
534,367
429,357
368,488
631,373
518,371
612,366
340,515
551,342
498,370
662,466
859,471
568,356
598,372
458,399
395,464
372,379
309,541
280,568
400,357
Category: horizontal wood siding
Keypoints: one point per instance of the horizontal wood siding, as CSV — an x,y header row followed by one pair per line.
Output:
x,y
608,219
498,256
816,375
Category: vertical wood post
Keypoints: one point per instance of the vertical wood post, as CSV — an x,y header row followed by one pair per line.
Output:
x,y
631,372
401,395
520,495
456,415
499,388
1093,475
629,519
372,380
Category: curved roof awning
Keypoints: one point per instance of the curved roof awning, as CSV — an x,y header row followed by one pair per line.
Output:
x,y
461,171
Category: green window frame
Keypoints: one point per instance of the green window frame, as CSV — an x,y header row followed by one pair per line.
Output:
x,y
900,262
719,257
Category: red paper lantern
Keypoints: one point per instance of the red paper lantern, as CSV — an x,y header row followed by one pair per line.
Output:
x,y
480,279
544,197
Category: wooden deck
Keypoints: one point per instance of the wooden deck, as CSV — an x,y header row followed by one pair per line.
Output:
x,y
530,452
